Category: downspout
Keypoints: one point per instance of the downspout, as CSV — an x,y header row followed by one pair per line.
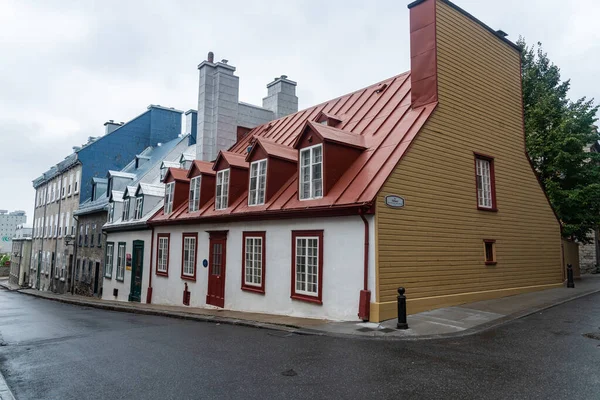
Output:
x,y
149,293
364,305
75,247
53,270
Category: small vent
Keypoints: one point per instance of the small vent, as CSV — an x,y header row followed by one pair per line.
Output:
x,y
115,292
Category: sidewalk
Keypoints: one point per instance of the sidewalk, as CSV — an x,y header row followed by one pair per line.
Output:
x,y
444,322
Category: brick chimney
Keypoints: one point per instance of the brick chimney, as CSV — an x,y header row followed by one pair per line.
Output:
x,y
281,97
218,97
423,52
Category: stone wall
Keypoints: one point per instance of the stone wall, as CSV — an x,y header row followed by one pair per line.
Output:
x,y
589,255
90,253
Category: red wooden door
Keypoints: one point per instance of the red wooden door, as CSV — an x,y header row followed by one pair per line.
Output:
x,y
216,272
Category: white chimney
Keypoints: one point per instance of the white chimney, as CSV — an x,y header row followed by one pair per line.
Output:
x,y
110,126
281,97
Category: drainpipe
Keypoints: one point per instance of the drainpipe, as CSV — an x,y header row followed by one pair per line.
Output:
x,y
364,305
149,293
75,248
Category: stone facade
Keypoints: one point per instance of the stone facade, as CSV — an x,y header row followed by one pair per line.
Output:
x,y
20,261
52,258
89,265
589,254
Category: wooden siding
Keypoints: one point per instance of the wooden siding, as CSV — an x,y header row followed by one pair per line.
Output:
x,y
434,245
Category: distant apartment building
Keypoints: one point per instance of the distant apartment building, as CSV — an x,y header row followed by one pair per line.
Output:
x,y
8,226
62,188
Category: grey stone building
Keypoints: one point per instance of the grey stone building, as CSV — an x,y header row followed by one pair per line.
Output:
x,y
90,249
20,261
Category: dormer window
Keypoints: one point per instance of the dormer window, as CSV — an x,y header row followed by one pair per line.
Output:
x,y
222,189
111,212
126,209
194,201
258,180
311,172
139,206
169,190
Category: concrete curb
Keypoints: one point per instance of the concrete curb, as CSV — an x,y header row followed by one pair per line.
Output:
x,y
313,332
171,314
452,335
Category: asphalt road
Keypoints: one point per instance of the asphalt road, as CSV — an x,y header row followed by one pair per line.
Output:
x,y
50,350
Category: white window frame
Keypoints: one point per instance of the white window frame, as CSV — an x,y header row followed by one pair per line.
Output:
x,y
121,261
126,206
189,262
169,191
222,189
484,183
111,212
194,200
76,189
70,192
312,188
162,262
258,183
109,259
254,263
305,273
139,207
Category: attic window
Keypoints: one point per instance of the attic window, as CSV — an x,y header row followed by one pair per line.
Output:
x,y
311,172
163,172
169,191
258,178
139,206
222,189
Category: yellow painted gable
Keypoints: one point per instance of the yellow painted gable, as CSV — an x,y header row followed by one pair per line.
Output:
x,y
433,246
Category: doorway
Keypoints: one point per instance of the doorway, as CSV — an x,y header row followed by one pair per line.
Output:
x,y
137,271
96,278
216,269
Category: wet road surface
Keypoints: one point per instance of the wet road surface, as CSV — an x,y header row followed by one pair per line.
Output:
x,y
50,350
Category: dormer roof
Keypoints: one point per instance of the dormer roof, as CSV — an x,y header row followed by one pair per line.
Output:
x,y
116,196
333,135
203,167
129,191
273,149
178,174
148,189
120,174
235,160
331,119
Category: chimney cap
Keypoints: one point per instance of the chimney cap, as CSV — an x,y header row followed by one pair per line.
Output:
x,y
502,33
282,78
224,61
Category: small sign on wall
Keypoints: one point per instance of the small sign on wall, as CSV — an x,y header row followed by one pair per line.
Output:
x,y
394,201
128,262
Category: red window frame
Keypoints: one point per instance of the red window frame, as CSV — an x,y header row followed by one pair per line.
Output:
x,y
490,159
300,296
251,288
183,236
168,237
493,261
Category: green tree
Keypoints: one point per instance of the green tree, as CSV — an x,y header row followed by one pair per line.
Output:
x,y
558,133
4,258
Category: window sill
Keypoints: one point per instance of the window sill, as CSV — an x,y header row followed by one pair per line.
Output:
x,y
188,278
120,280
308,299
107,277
165,274
491,262
62,279
493,209
253,289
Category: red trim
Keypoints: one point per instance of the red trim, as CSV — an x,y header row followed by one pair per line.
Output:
x,y
303,297
195,236
479,156
245,286
158,237
493,261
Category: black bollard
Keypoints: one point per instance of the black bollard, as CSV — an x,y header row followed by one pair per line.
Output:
x,y
570,282
401,309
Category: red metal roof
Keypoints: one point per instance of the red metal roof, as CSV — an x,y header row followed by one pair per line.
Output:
x,y
335,135
381,114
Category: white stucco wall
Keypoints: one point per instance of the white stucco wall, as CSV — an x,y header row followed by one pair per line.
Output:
x,y
124,287
343,257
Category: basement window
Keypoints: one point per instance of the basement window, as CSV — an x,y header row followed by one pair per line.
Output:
x,y
489,251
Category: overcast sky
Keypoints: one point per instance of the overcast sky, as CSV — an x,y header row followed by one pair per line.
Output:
x,y
66,67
